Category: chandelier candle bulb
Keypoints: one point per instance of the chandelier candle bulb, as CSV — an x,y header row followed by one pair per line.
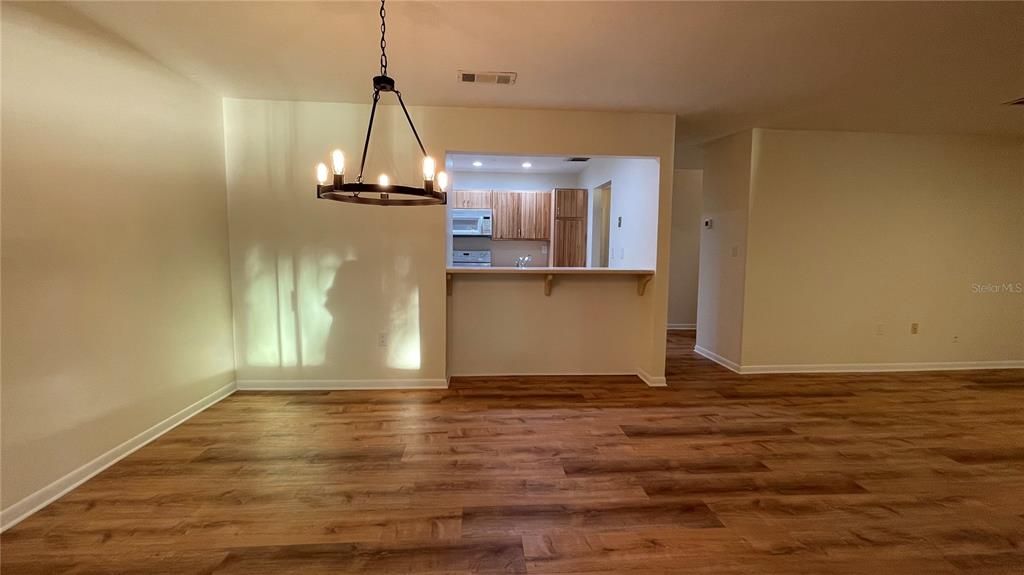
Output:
x,y
321,173
442,180
384,180
428,169
338,159
338,162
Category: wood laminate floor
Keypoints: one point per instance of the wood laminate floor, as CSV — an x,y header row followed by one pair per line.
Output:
x,y
718,473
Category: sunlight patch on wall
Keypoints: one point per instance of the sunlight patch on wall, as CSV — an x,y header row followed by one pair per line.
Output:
x,y
262,346
286,317
286,320
404,352
316,278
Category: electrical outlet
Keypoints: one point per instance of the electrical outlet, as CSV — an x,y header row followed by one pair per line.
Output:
x,y
914,328
956,339
880,329
544,249
382,339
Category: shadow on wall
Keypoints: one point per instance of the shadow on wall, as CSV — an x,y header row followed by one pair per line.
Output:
x,y
316,309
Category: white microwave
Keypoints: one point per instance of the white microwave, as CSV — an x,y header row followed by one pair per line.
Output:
x,y
471,222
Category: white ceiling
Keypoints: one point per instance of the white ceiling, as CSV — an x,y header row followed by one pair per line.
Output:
x,y
720,66
512,164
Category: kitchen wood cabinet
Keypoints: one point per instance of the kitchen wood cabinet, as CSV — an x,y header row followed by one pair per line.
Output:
x,y
535,215
521,215
570,243
505,217
471,199
570,203
569,234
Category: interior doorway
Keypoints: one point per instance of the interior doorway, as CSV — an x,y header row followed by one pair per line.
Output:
x,y
601,225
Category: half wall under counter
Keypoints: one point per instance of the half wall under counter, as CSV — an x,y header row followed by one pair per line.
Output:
x,y
643,277
548,321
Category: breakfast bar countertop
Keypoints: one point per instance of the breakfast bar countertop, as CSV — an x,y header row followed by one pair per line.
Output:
x,y
548,270
643,277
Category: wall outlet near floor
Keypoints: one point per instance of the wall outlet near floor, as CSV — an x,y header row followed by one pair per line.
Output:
x,y
914,328
382,339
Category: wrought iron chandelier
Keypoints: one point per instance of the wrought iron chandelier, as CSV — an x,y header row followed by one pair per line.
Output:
x,y
383,193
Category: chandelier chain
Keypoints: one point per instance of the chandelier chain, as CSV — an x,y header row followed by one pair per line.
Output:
x,y
383,41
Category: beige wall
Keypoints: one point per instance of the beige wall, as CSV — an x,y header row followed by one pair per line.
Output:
x,y
723,248
855,236
635,193
316,282
501,325
686,225
117,310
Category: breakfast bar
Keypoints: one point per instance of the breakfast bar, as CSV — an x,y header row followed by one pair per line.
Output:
x,y
643,277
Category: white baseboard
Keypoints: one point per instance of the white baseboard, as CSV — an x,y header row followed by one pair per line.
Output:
x,y
681,326
643,375
652,380
338,384
547,374
724,362
22,509
857,367
881,367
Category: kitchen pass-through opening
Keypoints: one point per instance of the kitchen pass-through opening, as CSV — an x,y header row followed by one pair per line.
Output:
x,y
552,211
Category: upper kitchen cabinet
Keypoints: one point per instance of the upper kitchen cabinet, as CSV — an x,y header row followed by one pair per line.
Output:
x,y
505,206
570,203
521,215
535,215
471,199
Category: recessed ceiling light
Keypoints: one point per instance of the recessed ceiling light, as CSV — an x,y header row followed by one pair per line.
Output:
x,y
477,164
527,165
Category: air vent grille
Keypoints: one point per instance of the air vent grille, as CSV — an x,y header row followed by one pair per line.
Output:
x,y
1017,102
501,78
577,159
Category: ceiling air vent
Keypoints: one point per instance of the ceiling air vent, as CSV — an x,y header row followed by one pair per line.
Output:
x,y
577,159
1017,102
503,78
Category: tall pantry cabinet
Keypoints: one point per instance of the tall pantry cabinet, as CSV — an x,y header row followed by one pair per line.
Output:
x,y
569,228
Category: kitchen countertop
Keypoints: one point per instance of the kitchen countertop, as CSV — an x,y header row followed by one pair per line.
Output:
x,y
549,270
